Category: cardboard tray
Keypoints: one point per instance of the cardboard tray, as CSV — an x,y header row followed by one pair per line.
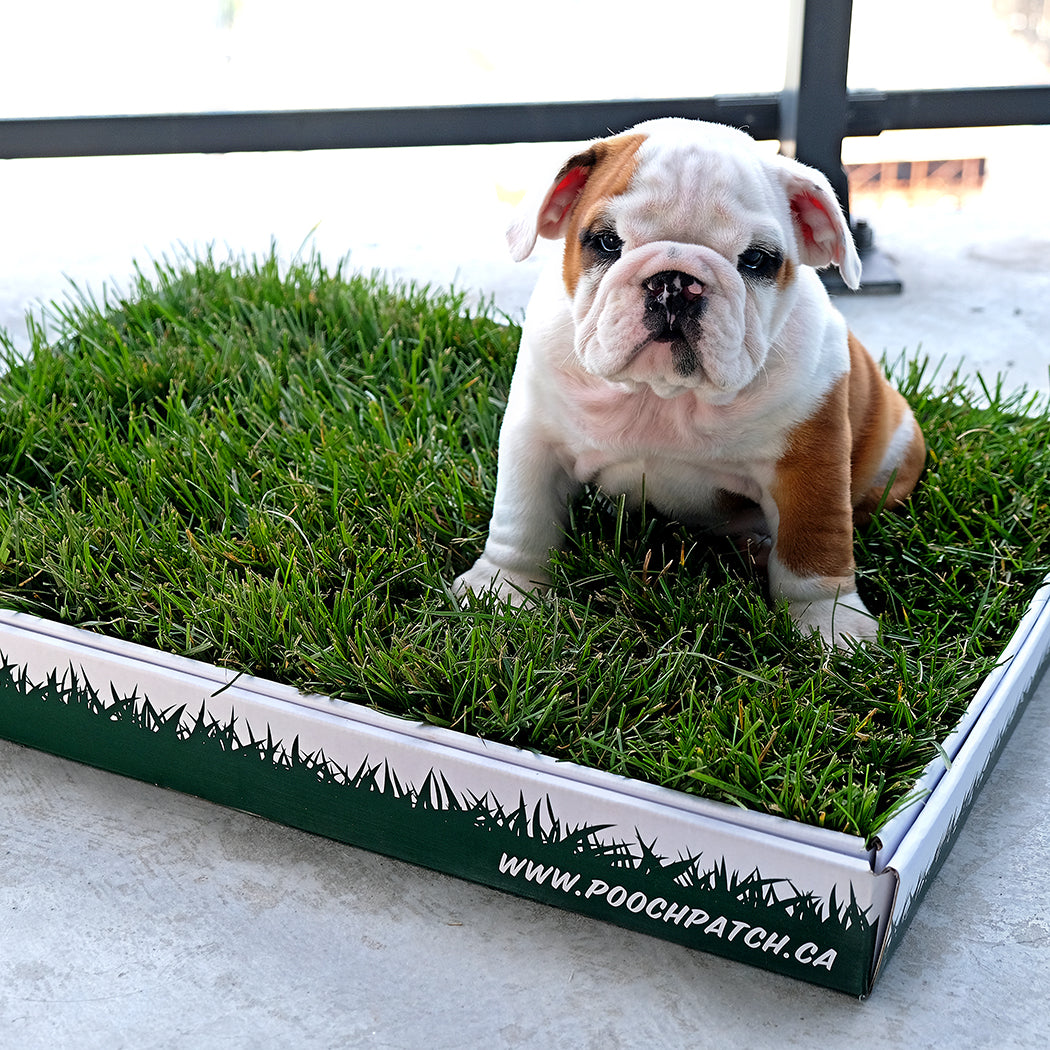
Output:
x,y
814,904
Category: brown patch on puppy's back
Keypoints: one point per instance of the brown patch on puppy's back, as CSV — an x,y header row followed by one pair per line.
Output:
x,y
876,411
828,477
872,419
613,163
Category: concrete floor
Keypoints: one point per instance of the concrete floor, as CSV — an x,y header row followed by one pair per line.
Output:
x,y
136,917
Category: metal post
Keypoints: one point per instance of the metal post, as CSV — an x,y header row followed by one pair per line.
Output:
x,y
814,106
814,118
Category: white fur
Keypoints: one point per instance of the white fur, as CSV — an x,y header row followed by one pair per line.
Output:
x,y
591,402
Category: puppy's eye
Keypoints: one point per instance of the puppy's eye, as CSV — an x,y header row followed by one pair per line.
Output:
x,y
759,263
605,244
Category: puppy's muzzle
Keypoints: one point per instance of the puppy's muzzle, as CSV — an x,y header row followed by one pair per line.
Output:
x,y
672,300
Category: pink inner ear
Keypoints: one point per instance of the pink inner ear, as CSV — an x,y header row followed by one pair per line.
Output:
x,y
821,243
559,202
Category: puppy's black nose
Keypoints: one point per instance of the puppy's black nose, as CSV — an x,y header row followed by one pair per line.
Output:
x,y
671,297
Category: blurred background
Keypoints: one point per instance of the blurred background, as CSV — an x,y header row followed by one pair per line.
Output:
x,y
960,213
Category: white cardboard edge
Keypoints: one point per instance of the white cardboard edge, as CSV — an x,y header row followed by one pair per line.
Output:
x,y
529,762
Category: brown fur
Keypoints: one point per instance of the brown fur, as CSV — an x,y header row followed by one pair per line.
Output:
x,y
817,502
876,410
811,491
786,275
612,163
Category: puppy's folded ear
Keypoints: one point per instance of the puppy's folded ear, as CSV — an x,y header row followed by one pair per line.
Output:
x,y
824,236
615,157
552,217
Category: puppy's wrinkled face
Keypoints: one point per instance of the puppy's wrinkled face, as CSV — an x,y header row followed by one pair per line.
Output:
x,y
681,261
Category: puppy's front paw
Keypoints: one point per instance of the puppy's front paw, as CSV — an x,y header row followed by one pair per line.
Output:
x,y
840,621
512,588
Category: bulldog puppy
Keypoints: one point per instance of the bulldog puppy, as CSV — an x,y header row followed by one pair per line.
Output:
x,y
685,352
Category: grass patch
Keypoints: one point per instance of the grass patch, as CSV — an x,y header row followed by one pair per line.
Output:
x,y
279,470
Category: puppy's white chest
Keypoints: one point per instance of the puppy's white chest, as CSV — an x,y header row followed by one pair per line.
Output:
x,y
676,454
686,491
